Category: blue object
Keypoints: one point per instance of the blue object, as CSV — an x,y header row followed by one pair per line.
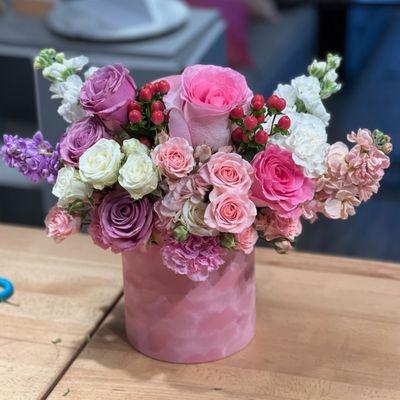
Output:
x,y
8,289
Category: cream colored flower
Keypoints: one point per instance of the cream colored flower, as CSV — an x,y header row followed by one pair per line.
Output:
x,y
69,187
131,145
139,175
99,165
193,218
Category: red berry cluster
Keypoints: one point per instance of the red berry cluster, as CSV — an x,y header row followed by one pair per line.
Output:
x,y
249,131
148,107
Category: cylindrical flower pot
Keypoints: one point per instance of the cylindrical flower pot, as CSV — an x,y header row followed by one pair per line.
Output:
x,y
171,318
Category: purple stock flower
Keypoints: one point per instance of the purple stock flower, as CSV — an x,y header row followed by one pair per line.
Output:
x,y
32,157
195,257
120,222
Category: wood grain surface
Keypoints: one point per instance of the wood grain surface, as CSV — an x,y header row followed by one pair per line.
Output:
x,y
328,328
61,293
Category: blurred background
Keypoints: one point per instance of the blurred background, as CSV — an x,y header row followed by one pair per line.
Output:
x,y
269,41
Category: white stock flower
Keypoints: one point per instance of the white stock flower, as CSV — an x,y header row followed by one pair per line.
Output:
x,y
308,144
90,72
306,89
193,219
139,175
99,164
132,145
75,63
55,71
68,91
69,187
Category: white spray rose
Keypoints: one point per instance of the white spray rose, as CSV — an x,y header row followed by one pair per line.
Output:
x,y
99,164
308,144
69,187
132,145
193,219
139,175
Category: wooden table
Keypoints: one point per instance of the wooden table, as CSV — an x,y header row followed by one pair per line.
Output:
x,y
328,328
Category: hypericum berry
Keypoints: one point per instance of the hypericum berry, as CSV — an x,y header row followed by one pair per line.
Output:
x,y
134,105
145,141
261,137
258,102
261,118
284,122
135,116
163,86
152,87
245,138
280,104
157,106
237,112
157,117
145,94
250,122
272,101
237,134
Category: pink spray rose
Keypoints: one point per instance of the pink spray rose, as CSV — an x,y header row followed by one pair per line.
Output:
x,y
107,94
246,240
227,172
279,183
60,224
174,157
79,137
230,212
274,226
200,101
120,222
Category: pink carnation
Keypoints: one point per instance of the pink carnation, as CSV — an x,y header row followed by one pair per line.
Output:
x,y
196,257
227,172
174,157
279,183
230,212
275,226
246,240
60,224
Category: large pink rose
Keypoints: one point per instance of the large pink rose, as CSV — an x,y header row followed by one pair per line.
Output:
x,y
230,212
200,101
107,94
174,157
279,183
227,172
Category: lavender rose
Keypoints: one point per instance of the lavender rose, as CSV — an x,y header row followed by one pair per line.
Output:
x,y
107,94
120,222
79,137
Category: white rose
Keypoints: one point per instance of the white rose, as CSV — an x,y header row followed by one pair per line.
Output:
x,y
69,187
193,219
131,145
99,164
308,144
139,175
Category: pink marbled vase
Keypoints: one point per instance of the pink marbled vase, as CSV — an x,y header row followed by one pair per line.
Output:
x,y
171,318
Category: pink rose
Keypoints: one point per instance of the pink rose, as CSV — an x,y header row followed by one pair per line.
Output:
x,y
274,226
227,172
230,212
174,157
107,94
200,101
246,240
279,183
60,224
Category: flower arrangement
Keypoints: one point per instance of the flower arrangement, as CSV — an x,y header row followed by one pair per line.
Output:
x,y
195,162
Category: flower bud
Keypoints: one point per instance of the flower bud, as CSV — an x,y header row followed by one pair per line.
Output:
x,y
282,245
180,233
227,240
